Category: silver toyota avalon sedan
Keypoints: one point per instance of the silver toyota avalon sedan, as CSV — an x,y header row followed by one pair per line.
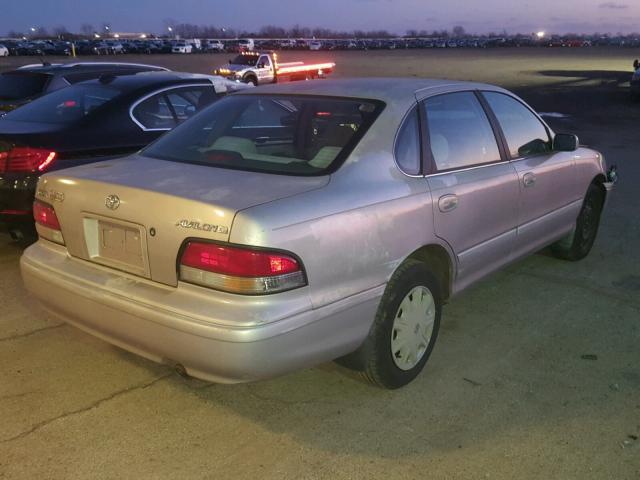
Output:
x,y
295,224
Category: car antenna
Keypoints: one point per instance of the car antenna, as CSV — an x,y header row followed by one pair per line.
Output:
x,y
44,62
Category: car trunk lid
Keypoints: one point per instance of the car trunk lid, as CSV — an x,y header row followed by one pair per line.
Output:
x,y
134,214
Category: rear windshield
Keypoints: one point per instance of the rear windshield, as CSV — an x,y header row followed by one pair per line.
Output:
x,y
21,85
295,135
64,106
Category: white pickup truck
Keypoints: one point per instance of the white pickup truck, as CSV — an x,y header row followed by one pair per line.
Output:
x,y
260,68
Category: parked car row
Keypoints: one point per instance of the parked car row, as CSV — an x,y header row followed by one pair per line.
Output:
x,y
112,46
291,224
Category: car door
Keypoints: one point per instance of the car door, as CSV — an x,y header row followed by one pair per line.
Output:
x,y
265,73
474,189
549,200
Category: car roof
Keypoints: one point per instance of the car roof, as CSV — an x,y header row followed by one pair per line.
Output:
x,y
86,66
143,79
389,90
152,80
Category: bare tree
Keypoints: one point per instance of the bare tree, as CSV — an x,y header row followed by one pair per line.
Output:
x,y
87,29
60,31
459,31
15,34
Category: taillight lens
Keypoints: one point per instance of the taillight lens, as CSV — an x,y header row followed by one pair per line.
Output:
x,y
45,216
240,270
26,159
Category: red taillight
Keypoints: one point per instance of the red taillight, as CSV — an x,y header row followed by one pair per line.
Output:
x,y
237,261
240,270
45,215
26,159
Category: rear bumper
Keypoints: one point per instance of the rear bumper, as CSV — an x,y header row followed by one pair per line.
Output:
x,y
124,311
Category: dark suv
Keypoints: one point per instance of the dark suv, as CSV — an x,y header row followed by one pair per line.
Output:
x,y
23,85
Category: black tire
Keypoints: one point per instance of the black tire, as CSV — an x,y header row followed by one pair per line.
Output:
x,y
375,357
577,244
252,80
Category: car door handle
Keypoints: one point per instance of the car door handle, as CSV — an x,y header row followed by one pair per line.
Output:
x,y
529,179
446,203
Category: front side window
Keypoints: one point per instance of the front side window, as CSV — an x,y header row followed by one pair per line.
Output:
x,y
407,148
460,134
187,101
524,132
154,113
166,109
297,135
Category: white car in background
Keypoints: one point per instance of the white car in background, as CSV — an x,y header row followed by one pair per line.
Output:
x,y
4,51
315,45
181,47
213,46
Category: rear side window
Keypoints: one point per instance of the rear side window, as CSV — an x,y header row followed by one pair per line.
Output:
x,y
21,85
65,106
525,134
407,149
297,135
460,134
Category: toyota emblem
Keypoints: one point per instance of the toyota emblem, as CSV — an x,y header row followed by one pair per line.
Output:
x,y
112,202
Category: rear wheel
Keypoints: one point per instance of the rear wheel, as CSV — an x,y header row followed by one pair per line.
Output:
x,y
579,242
405,328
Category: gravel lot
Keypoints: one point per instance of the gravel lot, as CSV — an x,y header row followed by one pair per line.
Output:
x,y
535,375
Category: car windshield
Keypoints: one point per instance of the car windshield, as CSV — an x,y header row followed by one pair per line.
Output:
x,y
294,135
21,85
64,106
244,60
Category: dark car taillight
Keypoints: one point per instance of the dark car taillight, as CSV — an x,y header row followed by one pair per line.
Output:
x,y
240,270
45,216
26,159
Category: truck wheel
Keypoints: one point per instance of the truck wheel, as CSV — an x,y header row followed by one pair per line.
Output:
x,y
251,79
405,328
577,244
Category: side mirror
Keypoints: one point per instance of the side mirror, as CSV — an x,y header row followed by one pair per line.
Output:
x,y
565,142
260,65
636,64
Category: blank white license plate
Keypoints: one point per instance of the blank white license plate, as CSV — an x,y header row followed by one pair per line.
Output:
x,y
117,244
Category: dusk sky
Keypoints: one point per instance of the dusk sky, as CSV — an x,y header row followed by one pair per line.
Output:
x,y
581,16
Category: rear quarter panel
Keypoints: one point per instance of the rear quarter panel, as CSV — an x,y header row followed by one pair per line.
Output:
x,y
353,233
